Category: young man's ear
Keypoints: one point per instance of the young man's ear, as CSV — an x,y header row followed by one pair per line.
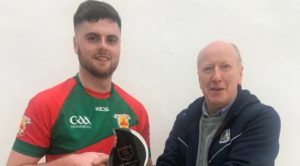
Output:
x,y
75,45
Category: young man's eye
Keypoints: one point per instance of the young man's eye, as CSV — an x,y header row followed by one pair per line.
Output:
x,y
93,39
112,40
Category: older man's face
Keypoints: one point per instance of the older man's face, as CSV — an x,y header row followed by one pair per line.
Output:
x,y
220,72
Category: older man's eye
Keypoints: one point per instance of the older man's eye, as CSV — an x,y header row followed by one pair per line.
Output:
x,y
207,70
226,67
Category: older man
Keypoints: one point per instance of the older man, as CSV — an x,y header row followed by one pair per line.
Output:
x,y
228,125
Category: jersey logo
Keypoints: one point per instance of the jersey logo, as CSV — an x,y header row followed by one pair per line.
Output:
x,y
80,122
122,120
25,121
101,109
225,137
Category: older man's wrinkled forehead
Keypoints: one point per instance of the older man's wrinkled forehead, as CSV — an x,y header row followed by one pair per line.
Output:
x,y
217,48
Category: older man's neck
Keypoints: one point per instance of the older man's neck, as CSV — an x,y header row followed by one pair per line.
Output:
x,y
213,110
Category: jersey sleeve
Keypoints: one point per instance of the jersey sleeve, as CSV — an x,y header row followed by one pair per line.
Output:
x,y
33,137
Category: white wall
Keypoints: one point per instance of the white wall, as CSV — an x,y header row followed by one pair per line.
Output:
x,y
160,42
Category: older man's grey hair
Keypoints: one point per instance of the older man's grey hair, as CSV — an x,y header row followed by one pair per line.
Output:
x,y
238,52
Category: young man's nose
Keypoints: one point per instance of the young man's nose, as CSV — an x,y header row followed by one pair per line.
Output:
x,y
102,44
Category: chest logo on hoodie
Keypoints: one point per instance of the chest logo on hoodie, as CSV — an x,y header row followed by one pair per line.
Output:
x,y
225,136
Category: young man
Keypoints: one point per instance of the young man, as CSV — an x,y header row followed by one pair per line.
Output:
x,y
228,126
72,123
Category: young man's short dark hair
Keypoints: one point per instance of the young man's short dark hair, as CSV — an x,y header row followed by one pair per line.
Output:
x,y
92,10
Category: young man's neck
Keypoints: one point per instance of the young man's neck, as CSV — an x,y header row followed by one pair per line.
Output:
x,y
101,85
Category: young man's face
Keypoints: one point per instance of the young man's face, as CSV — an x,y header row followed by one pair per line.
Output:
x,y
97,45
220,72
